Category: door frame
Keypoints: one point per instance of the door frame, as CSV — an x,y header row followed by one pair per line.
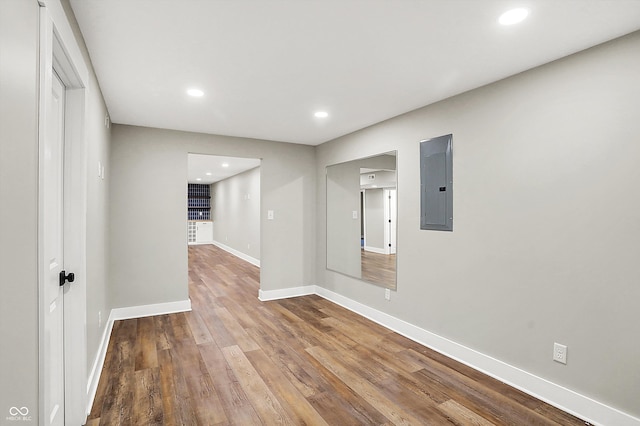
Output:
x,y
58,50
390,219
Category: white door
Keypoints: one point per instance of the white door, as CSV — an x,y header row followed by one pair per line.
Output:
x,y
53,246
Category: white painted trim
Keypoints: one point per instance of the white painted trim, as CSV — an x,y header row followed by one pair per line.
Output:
x,y
98,363
201,243
122,314
45,74
567,400
285,293
375,250
150,310
64,33
58,49
243,256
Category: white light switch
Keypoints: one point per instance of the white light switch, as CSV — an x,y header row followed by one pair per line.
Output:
x,y
354,214
270,214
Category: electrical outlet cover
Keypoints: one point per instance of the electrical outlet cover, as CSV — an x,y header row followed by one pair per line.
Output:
x,y
560,353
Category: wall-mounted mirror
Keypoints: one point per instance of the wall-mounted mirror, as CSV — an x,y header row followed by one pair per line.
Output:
x,y
361,219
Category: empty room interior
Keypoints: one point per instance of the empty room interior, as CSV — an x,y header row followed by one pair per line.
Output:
x,y
320,212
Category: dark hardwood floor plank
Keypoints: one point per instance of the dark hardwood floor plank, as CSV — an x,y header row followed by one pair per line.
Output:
x,y
167,387
234,360
147,398
146,355
163,331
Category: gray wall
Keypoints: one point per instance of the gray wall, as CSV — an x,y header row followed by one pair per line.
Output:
x,y
545,246
236,212
383,179
98,146
148,245
343,198
19,206
374,218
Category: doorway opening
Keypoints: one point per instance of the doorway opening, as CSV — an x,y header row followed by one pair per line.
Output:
x,y
223,204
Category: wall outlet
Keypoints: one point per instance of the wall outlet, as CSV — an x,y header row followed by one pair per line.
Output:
x,y
387,294
99,319
270,214
560,353
354,214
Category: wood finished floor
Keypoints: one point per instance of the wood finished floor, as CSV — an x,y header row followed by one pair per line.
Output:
x,y
303,361
379,268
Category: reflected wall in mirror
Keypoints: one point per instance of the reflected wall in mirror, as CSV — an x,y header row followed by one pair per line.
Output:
x,y
361,219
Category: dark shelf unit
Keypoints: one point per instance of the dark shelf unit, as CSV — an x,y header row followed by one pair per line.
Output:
x,y
198,202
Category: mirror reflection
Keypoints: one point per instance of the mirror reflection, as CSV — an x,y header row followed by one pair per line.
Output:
x,y
361,219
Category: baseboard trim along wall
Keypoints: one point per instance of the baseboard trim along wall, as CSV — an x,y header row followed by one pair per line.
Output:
x,y
572,402
375,250
285,293
121,314
236,253
98,363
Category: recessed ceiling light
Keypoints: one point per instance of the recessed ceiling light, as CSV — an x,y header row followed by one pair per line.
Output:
x,y
513,16
321,114
225,164
198,179
196,93
208,173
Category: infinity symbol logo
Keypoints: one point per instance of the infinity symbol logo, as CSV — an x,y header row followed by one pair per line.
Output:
x,y
14,411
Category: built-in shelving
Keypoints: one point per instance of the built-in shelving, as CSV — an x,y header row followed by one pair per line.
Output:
x,y
198,202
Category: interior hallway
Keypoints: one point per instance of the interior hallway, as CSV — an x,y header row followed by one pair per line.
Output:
x,y
236,360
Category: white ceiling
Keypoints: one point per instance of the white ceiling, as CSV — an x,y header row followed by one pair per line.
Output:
x,y
267,65
210,169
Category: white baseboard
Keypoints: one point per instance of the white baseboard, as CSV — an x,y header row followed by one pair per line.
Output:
x,y
265,295
121,314
567,400
98,363
150,310
375,250
243,256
